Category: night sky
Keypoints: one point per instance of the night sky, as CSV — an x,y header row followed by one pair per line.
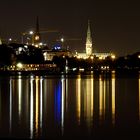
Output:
x,y
115,24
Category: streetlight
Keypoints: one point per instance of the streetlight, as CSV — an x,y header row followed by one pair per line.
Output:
x,y
32,35
9,40
113,56
62,40
31,32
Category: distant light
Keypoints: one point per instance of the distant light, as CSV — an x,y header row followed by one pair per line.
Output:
x,y
57,47
37,37
113,56
62,39
91,57
100,57
10,39
74,69
36,46
19,65
25,46
20,49
78,57
31,32
40,43
139,56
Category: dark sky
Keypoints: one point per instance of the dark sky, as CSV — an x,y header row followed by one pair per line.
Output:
x,y
115,24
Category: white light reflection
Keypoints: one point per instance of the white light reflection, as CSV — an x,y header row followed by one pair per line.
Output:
x,y
10,105
113,98
31,108
63,103
78,94
19,96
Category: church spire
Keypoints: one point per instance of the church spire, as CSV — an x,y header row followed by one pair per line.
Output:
x,y
89,41
37,34
37,25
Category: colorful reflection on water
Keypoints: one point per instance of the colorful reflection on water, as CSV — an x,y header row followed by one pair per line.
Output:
x,y
68,106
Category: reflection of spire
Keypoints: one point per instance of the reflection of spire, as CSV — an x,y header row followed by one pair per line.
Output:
x,y
88,41
19,96
78,94
31,108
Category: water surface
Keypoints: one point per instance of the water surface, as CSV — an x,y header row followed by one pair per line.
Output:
x,y
90,106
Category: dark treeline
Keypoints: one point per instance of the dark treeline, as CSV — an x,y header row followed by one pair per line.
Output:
x,y
11,54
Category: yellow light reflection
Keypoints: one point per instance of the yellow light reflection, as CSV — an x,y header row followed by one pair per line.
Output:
x,y
101,99
104,98
41,97
92,97
88,101
31,108
37,107
113,98
139,95
78,98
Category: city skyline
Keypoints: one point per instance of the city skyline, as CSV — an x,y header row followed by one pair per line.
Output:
x,y
114,24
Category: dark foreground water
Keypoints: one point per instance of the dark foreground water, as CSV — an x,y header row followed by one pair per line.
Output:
x,y
70,107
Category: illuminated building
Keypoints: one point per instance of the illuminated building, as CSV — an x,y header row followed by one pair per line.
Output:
x,y
89,48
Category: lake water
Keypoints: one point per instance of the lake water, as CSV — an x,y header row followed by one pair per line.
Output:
x,y
70,106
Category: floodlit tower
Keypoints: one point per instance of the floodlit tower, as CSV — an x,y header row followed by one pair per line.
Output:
x,y
88,41
37,34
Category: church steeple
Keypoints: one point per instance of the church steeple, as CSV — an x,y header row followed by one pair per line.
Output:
x,y
37,34
89,41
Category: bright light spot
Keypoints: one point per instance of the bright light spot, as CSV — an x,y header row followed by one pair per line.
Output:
x,y
74,69
19,65
31,32
25,46
20,49
62,39
139,56
78,57
100,57
10,39
81,69
36,46
41,43
113,56
91,57
37,37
